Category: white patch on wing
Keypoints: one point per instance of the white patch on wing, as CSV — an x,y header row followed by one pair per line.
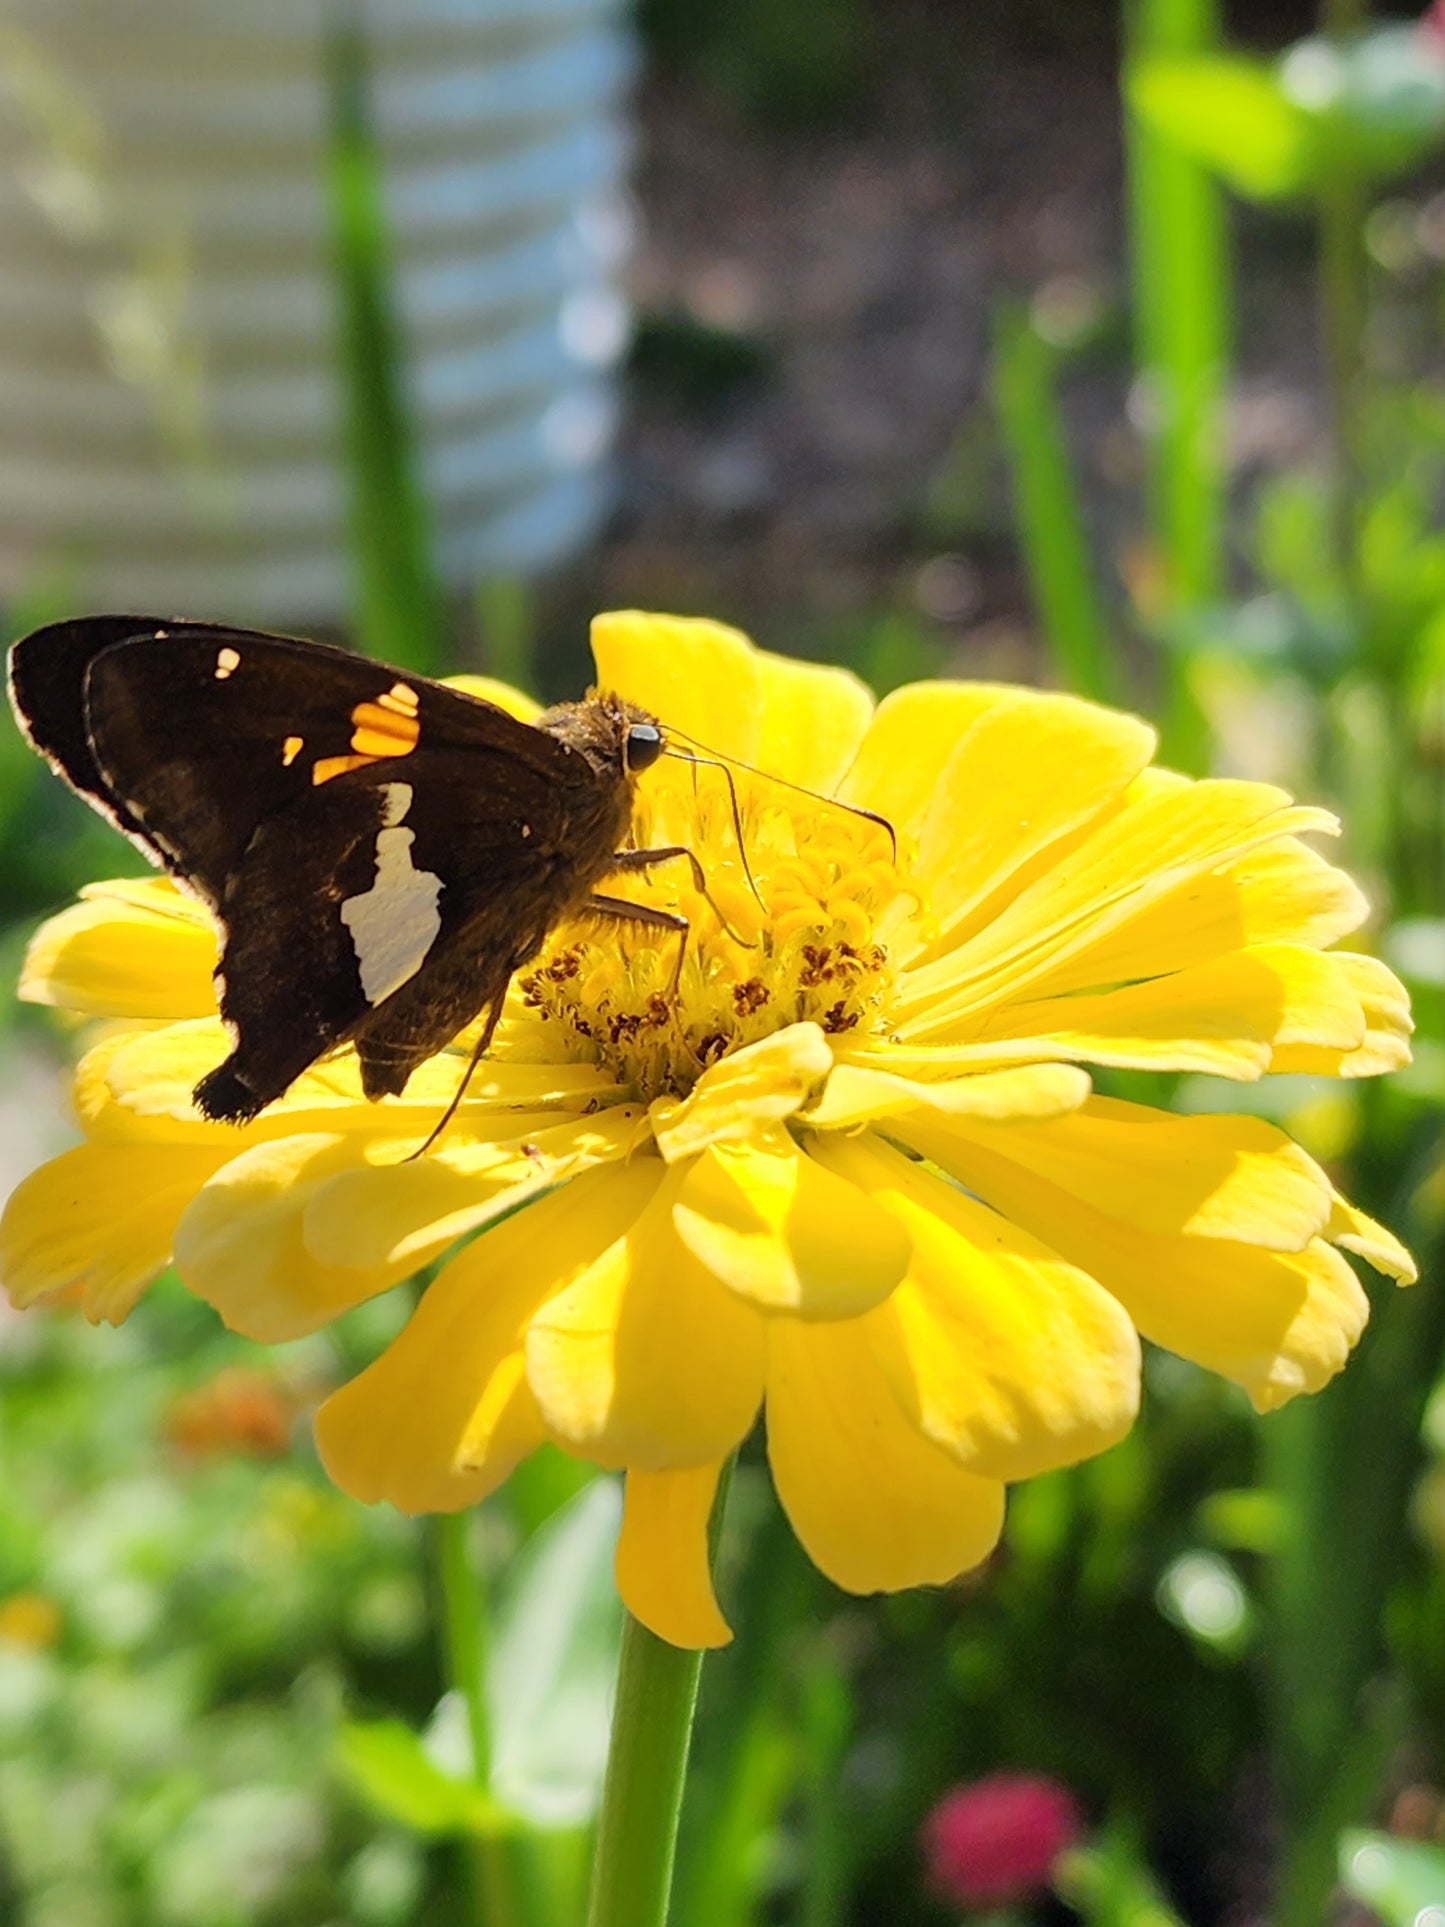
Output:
x,y
395,802
395,923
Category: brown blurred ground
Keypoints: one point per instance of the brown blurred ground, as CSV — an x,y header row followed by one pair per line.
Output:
x,y
842,463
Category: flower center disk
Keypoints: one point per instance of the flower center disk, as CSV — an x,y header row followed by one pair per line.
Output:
x,y
802,942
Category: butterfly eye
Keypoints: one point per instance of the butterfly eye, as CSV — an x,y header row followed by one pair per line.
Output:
x,y
644,745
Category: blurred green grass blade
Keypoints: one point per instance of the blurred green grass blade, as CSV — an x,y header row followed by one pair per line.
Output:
x,y
1343,1464
1183,307
1051,527
398,602
827,1720
1109,1884
721,1881
507,616
1400,1880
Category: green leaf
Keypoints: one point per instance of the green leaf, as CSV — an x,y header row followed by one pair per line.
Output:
x,y
553,1661
1052,531
1232,115
1402,1881
386,1764
1370,109
1378,102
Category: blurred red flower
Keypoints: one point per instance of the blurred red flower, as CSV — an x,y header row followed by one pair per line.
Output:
x,y
996,1840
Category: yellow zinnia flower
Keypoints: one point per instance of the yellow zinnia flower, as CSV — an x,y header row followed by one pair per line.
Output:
x,y
852,1175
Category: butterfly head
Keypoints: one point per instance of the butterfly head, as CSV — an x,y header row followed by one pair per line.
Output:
x,y
618,739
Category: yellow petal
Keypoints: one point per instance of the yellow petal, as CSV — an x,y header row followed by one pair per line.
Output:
x,y
119,953
785,1233
1385,1015
155,1072
763,1082
646,1360
998,1350
240,1244
1198,1177
445,1412
1283,893
1372,1242
662,1559
101,1218
1146,852
876,1505
694,675
814,718
1227,1017
106,1121
1025,776
386,1212
1277,1323
516,702
914,732
858,1093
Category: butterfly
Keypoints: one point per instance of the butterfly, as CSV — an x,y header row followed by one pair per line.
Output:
x,y
381,853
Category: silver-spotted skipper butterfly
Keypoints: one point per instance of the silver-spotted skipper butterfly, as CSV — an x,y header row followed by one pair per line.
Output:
x,y
381,852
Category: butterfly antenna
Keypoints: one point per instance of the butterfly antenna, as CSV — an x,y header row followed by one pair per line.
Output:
x,y
479,1051
712,762
853,809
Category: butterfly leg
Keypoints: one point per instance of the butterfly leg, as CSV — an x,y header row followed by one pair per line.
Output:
x,y
619,910
479,1051
626,860
645,859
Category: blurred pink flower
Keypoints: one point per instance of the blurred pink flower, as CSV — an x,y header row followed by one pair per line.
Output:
x,y
1432,20
996,1840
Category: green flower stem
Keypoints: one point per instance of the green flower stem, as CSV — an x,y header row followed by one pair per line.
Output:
x,y
646,1770
465,1625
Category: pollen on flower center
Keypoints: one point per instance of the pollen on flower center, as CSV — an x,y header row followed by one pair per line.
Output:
x,y
804,941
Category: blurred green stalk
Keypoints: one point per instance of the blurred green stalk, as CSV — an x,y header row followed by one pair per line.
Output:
x,y
398,602
465,1622
1052,535
1344,305
827,1722
507,616
1183,302
1343,1464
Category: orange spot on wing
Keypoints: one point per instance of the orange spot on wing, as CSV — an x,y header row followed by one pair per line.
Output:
x,y
326,767
379,730
386,727
291,749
